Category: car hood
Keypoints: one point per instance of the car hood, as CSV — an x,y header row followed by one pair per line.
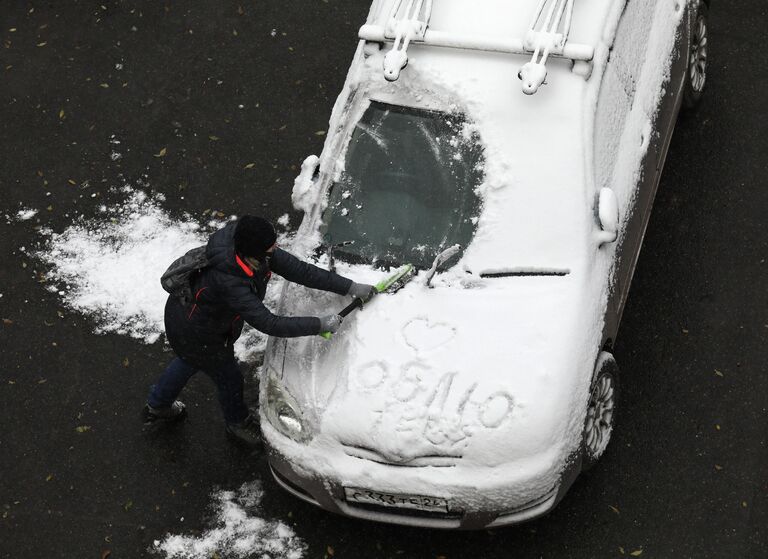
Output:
x,y
487,371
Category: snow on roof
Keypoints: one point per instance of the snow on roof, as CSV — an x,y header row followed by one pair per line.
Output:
x,y
537,28
503,18
534,212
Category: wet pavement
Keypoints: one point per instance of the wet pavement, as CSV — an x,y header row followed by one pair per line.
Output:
x,y
215,106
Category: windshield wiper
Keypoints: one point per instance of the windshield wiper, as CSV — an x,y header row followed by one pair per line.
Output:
x,y
440,259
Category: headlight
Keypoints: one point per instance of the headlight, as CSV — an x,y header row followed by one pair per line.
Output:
x,y
284,413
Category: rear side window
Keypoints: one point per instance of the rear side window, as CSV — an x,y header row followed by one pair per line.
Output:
x,y
409,187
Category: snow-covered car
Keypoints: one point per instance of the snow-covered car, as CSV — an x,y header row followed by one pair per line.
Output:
x,y
531,134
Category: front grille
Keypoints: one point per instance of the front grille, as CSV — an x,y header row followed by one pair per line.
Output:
x,y
434,460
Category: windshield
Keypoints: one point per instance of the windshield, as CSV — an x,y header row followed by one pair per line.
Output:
x,y
409,187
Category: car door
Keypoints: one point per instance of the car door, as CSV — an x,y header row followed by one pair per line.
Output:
x,y
613,133
623,121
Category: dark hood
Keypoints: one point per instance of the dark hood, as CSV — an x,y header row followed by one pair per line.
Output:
x,y
221,251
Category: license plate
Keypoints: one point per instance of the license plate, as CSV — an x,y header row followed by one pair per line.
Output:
x,y
395,500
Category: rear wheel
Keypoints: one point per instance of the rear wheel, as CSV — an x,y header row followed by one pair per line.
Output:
x,y
601,410
696,73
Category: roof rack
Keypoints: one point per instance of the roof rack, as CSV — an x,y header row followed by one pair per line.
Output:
x,y
545,40
405,25
408,22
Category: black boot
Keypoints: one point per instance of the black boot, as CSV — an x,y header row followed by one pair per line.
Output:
x,y
171,414
246,433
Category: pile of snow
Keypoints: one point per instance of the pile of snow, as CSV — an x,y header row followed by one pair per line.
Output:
x,y
240,532
25,214
109,268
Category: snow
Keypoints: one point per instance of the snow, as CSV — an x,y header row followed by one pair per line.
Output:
x,y
494,371
303,194
284,220
109,268
25,214
239,531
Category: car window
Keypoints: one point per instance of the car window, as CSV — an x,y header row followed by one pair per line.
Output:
x,y
408,189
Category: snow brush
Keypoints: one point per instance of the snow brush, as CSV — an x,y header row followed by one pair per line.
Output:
x,y
393,283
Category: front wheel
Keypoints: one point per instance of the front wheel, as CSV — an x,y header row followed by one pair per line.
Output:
x,y
601,410
696,73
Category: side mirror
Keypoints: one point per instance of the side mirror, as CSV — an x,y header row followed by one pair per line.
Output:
x,y
608,215
302,196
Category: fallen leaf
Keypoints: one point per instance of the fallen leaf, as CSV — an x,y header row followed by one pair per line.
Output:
x,y
718,467
126,362
614,509
320,133
7,321
71,181
213,138
104,85
744,504
717,427
128,506
42,381
42,44
49,478
82,428
106,554
718,373
161,153
61,113
685,331
330,551
636,553
250,166
49,208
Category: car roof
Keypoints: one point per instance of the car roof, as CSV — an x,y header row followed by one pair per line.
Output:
x,y
538,148
505,17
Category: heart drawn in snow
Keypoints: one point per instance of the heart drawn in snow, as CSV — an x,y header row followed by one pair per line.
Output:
x,y
423,335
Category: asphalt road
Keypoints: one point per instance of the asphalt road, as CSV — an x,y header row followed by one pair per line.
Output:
x,y
686,474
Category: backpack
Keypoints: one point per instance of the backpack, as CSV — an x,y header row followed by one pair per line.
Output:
x,y
177,279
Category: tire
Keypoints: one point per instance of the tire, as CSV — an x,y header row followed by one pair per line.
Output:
x,y
601,410
696,71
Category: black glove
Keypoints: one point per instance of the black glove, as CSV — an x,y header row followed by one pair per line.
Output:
x,y
330,323
362,291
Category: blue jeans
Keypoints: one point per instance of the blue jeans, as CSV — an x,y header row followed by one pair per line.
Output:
x,y
228,380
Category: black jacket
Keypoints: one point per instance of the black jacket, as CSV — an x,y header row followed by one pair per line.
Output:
x,y
228,292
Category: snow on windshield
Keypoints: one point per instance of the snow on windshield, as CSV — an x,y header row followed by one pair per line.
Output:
x,y
409,187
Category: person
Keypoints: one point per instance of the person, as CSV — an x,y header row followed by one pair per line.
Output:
x,y
228,292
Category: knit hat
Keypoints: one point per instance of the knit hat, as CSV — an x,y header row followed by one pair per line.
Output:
x,y
253,236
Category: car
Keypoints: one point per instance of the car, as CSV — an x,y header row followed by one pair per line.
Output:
x,y
510,152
